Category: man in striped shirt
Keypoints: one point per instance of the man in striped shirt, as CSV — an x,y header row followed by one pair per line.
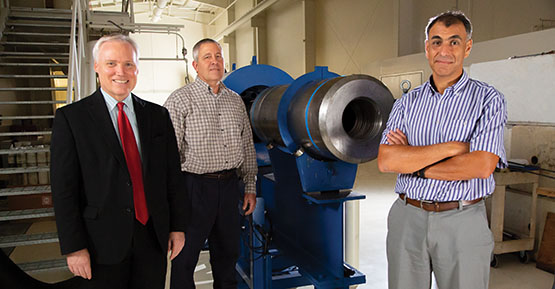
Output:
x,y
215,143
444,139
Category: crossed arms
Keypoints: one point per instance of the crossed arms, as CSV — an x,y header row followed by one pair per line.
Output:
x,y
448,161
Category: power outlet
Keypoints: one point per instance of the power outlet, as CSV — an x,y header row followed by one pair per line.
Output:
x,y
46,200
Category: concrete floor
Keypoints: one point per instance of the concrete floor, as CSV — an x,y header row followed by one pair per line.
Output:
x,y
378,188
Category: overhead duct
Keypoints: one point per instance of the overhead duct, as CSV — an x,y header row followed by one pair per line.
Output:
x,y
157,12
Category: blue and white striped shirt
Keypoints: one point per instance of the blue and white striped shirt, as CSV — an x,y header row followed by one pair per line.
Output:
x,y
468,111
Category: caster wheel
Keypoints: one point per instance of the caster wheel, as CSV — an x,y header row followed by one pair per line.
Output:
x,y
524,257
494,261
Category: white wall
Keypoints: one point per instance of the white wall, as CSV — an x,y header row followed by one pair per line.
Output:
x,y
284,21
491,18
497,49
157,79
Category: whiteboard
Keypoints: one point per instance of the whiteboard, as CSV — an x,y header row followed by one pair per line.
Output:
x,y
528,85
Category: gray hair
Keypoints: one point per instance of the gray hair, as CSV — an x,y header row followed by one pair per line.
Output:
x,y
115,37
449,18
201,42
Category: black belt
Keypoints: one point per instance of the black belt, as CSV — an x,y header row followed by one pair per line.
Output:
x,y
225,174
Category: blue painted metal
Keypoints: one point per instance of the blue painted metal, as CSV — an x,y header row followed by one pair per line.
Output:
x,y
307,110
323,198
262,156
319,73
310,231
306,224
318,175
256,75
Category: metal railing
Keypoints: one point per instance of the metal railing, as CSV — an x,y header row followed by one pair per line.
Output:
x,y
76,51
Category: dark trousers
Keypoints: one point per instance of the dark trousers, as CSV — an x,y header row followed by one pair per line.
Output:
x,y
144,267
214,216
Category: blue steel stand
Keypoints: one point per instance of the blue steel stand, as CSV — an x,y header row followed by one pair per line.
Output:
x,y
295,236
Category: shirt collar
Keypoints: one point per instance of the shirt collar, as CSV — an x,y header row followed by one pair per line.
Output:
x,y
205,85
457,87
112,102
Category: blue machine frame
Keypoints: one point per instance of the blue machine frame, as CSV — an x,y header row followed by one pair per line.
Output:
x,y
295,236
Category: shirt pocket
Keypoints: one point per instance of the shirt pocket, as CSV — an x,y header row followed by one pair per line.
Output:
x,y
233,125
459,130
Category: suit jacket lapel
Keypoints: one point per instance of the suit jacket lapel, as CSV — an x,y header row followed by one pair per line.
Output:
x,y
100,116
144,124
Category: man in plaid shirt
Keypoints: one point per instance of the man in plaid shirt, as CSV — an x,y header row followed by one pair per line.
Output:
x,y
215,143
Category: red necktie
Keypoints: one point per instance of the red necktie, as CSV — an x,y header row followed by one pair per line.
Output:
x,y
133,164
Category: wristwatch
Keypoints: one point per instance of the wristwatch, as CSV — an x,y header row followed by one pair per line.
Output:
x,y
420,173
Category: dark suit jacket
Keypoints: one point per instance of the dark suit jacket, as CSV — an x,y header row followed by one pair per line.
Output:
x,y
91,186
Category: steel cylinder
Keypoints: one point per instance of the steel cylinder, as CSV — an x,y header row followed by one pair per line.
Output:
x,y
264,114
340,118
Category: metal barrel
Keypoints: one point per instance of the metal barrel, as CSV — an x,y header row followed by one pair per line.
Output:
x,y
264,114
339,118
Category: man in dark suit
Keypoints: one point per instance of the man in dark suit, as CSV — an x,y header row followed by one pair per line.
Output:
x,y
116,178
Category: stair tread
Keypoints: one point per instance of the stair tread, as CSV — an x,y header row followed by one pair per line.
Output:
x,y
28,239
32,24
32,88
22,150
17,53
31,76
33,64
30,9
34,43
36,34
45,265
24,170
33,102
28,190
11,117
39,15
26,214
25,133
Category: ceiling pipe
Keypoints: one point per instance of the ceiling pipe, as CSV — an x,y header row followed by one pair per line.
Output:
x,y
244,19
157,12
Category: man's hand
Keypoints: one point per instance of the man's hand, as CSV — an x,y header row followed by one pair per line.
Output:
x,y
250,203
176,243
397,137
79,263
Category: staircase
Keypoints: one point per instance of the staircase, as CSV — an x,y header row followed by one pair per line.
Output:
x,y
34,52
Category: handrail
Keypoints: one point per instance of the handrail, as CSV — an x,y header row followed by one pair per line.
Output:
x,y
72,47
183,51
76,52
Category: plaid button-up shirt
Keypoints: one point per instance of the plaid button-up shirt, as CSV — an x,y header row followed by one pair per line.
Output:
x,y
213,131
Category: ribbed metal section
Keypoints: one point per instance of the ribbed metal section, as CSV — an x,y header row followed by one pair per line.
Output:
x,y
33,88
40,266
34,64
26,214
31,76
27,117
25,133
20,191
25,240
33,102
24,170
